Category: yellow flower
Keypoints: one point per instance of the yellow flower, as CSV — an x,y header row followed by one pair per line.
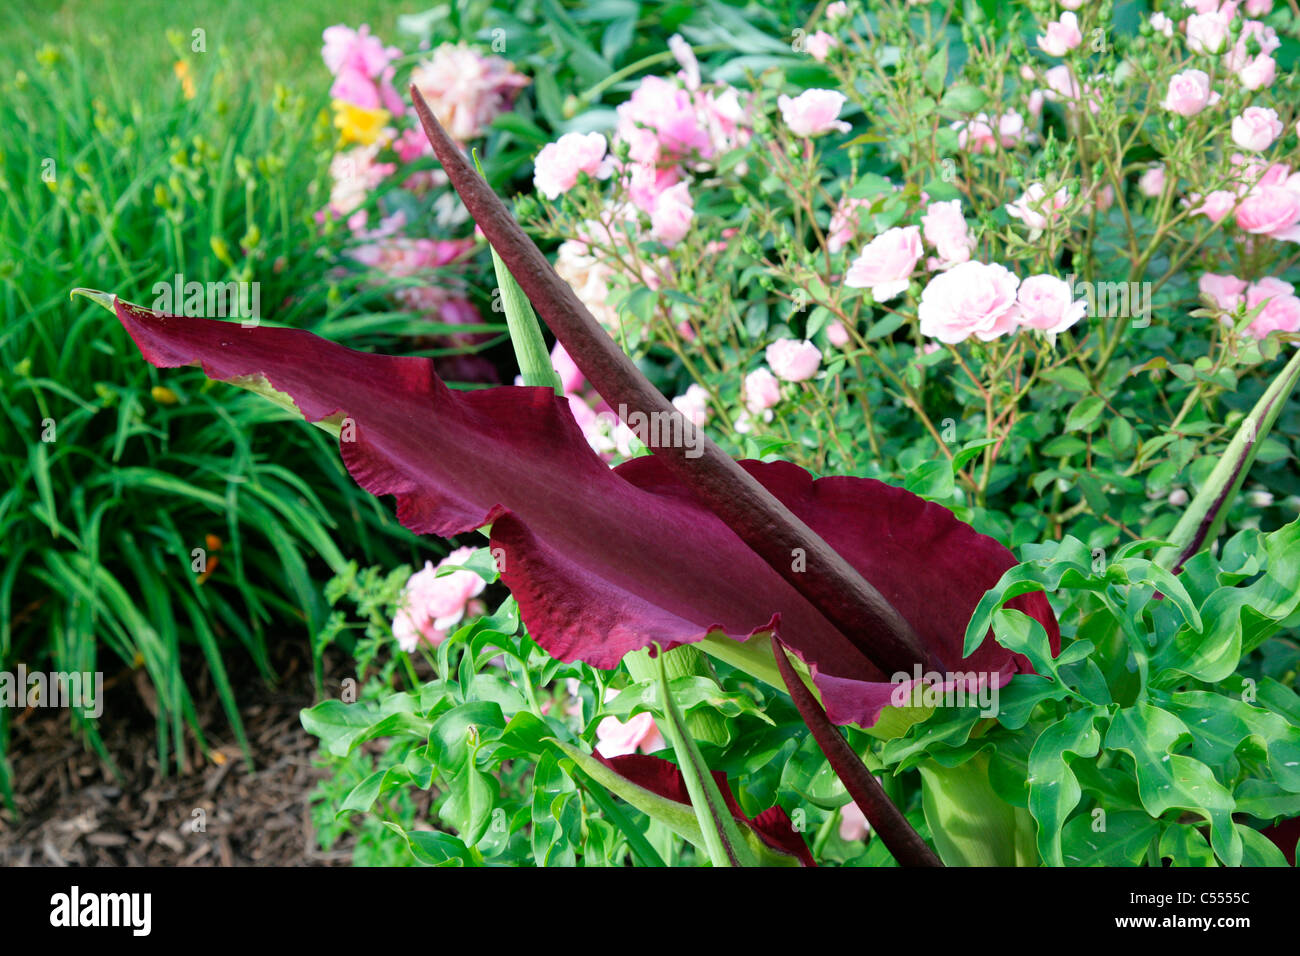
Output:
x,y
356,124
182,70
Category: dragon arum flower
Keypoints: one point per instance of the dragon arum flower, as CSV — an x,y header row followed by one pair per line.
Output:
x,y
634,558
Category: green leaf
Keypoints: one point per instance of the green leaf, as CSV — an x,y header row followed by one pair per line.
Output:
x,y
1169,781
1123,841
1054,790
1084,413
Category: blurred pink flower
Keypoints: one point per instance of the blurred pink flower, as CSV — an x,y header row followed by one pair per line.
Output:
x,y
762,391
1281,308
466,91
844,222
1214,206
557,166
1209,32
1227,291
837,334
853,823
1034,209
618,738
670,219
660,125
973,298
1152,182
694,404
885,265
1258,72
431,604
1272,211
820,44
946,229
1062,35
792,360
813,112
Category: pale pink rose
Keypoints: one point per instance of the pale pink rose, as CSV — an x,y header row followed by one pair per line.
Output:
x,y
844,222
1034,208
694,405
1202,6
661,126
885,265
837,334
1227,291
1208,32
1258,8
853,823
571,377
813,112
1047,304
1152,182
671,218
792,360
977,135
1162,24
431,604
1281,308
973,298
1257,73
838,10
466,91
558,165
1264,38
1271,211
1189,93
946,230
1103,198
1214,206
1256,128
819,45
762,391
1072,4
618,738
1062,36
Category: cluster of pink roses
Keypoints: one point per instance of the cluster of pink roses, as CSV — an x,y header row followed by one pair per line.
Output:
x,y
668,129
433,603
1266,200
1279,307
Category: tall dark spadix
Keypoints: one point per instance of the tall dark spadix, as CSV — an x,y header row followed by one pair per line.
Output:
x,y
844,597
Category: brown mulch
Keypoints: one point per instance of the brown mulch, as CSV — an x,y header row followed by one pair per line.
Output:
x,y
74,811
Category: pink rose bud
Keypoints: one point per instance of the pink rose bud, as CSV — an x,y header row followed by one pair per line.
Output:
x,y
813,112
885,265
1256,128
1208,32
1258,72
792,360
1162,24
1189,93
837,334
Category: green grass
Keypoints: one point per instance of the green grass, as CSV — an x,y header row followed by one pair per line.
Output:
x,y
113,472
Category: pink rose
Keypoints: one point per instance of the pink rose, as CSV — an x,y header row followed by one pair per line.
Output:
x,y
1272,211
1258,73
1256,128
694,405
571,377
819,45
973,298
557,166
671,218
762,391
792,360
885,265
466,91
813,112
618,738
1048,304
844,222
432,604
1152,182
1162,24
1214,206
946,230
837,334
1259,8
839,10
1062,35
1034,209
661,125
1226,291
1281,309
1189,93
853,823
1208,32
